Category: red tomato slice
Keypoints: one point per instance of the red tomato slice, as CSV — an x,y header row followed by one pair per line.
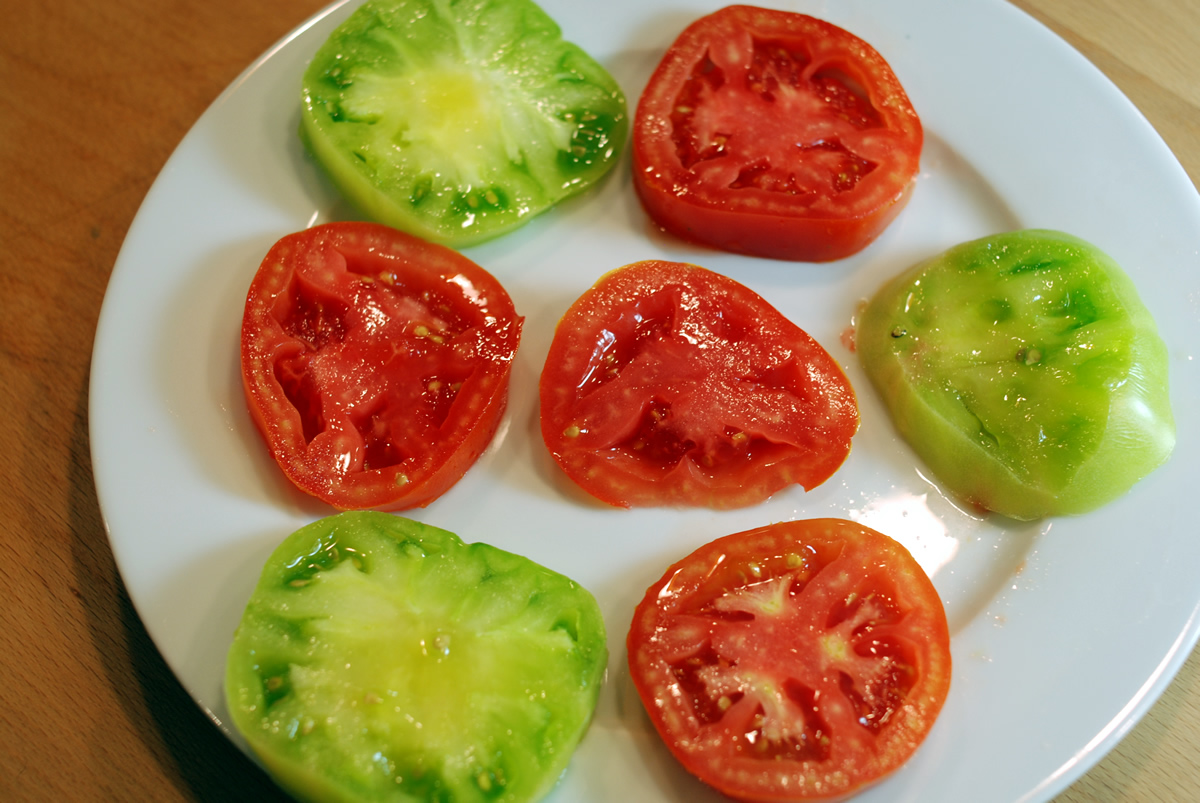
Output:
x,y
375,364
800,661
774,134
667,383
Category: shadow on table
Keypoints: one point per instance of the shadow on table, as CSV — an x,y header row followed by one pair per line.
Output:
x,y
187,745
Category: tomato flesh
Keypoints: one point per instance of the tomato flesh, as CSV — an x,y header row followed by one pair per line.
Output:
x,y
383,659
1024,370
669,384
774,134
376,365
804,660
459,122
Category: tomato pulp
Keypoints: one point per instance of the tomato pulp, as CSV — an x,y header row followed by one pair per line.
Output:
x,y
774,134
375,364
804,660
667,383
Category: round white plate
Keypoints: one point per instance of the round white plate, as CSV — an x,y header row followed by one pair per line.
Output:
x,y
1064,631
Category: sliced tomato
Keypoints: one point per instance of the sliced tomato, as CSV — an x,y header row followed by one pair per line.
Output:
x,y
381,659
375,364
805,660
1024,370
667,383
774,134
459,122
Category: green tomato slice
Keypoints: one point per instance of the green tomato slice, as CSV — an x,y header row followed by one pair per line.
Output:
x,y
1024,370
458,122
384,659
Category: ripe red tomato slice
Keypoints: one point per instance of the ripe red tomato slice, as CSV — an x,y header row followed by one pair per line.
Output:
x,y
667,384
375,364
800,661
774,134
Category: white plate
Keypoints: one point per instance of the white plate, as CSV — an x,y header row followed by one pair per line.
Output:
x,y
1064,631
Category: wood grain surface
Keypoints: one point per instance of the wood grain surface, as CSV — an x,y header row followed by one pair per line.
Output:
x,y
94,96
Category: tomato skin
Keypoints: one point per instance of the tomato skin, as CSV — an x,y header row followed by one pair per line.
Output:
x,y
804,660
375,364
1025,372
669,384
814,173
382,659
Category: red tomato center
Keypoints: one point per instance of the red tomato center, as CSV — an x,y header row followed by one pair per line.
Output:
x,y
781,131
692,370
728,662
409,334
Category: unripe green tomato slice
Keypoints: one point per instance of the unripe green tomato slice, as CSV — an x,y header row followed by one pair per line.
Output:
x,y
1024,370
458,122
384,659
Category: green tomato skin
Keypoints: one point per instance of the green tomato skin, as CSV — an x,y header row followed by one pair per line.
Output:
x,y
459,121
1024,370
380,659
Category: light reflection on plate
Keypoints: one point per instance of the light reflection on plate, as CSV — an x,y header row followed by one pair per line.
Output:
x,y
907,518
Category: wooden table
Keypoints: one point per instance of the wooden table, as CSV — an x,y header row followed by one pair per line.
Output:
x,y
94,95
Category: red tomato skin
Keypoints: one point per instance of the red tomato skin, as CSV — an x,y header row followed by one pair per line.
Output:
x,y
780,236
749,403
334,261
671,642
787,224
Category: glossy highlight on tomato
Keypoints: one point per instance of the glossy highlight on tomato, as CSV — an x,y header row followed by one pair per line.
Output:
x,y
669,384
382,659
1024,370
800,661
459,122
375,364
774,134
